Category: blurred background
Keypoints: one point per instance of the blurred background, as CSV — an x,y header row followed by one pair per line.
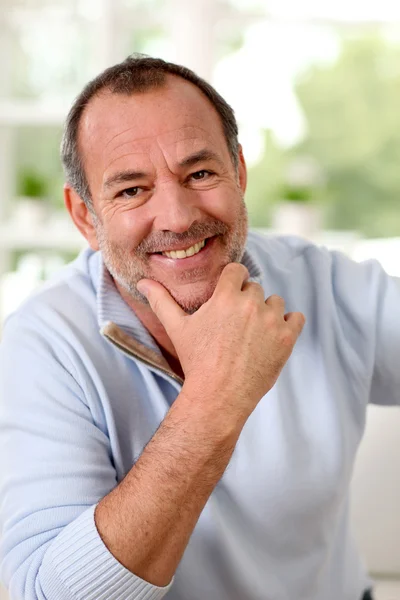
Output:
x,y
316,90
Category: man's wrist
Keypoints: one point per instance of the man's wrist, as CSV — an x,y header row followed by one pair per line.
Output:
x,y
205,407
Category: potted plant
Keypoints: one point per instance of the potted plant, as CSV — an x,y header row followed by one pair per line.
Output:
x,y
297,211
32,207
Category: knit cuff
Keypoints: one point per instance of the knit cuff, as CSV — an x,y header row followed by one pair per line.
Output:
x,y
79,566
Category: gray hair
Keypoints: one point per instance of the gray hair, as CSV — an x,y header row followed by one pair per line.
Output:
x,y
138,73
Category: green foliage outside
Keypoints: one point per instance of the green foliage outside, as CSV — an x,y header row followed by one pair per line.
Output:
x,y
32,184
265,181
353,113
39,170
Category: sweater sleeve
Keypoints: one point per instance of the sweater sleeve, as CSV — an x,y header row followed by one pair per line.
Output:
x,y
385,385
55,466
368,300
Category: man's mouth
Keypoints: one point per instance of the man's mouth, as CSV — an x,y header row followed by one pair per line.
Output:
x,y
185,252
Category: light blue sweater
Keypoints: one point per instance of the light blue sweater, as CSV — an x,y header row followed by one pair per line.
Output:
x,y
84,387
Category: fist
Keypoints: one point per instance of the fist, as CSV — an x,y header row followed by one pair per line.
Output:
x,y
234,347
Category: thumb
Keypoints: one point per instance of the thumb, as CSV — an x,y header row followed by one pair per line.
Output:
x,y
161,303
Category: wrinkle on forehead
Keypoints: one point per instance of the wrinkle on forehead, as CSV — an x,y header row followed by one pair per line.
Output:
x,y
143,144
177,134
176,144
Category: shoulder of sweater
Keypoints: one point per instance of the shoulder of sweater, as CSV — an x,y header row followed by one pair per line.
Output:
x,y
285,252
68,293
282,248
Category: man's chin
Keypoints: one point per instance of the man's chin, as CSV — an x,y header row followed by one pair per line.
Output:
x,y
189,302
190,309
192,302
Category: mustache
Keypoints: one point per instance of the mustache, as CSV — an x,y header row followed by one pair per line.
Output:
x,y
161,241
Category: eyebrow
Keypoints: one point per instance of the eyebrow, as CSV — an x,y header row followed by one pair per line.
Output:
x,y
123,177
201,156
189,161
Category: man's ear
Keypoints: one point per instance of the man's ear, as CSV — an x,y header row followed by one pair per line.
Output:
x,y
242,170
81,216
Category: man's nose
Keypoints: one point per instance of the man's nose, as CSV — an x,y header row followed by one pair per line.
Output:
x,y
175,208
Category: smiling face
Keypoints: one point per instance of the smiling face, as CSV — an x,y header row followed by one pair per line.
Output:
x,y
162,181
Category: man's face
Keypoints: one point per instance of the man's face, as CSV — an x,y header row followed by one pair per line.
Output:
x,y
162,180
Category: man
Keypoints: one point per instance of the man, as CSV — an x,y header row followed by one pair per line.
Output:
x,y
147,452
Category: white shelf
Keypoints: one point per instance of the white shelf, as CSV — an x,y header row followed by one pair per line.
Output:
x,y
387,590
47,237
22,112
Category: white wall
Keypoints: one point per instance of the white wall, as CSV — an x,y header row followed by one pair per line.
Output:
x,y
3,594
376,492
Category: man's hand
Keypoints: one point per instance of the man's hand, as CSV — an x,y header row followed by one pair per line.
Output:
x,y
235,346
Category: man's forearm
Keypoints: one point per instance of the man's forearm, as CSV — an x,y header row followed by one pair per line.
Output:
x,y
147,520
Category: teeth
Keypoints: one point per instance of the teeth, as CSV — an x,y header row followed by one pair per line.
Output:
x,y
184,253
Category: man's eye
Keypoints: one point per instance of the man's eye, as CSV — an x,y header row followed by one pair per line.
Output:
x,y
130,192
201,174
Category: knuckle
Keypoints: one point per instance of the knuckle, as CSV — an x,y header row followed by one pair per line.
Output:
x,y
229,267
235,268
251,306
299,320
276,300
256,288
286,337
271,319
